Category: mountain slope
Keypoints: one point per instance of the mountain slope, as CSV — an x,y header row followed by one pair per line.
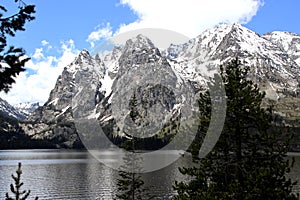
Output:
x,y
288,42
26,108
11,134
103,86
53,121
10,111
271,67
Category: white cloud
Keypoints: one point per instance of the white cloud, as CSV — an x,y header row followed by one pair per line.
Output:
x,y
101,32
45,43
36,86
189,17
38,54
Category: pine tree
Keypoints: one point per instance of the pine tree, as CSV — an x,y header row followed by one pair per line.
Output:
x,y
130,184
249,160
16,189
12,59
134,113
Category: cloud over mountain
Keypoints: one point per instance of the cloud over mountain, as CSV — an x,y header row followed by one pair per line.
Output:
x,y
189,17
36,82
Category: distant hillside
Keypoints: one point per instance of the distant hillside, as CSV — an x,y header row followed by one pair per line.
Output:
x,y
13,137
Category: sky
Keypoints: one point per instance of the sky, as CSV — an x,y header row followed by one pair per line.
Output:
x,y
63,28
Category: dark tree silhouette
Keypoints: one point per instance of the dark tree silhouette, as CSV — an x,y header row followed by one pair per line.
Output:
x,y
249,160
12,59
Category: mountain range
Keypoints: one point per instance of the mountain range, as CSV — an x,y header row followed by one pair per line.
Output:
x,y
19,111
101,87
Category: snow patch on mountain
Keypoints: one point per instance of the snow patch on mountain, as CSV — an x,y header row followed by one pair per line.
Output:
x,y
19,111
27,108
288,42
105,82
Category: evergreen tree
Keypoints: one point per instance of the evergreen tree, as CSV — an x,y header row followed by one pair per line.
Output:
x,y
130,184
12,59
16,189
249,160
134,113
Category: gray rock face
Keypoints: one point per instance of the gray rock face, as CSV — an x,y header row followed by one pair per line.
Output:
x,y
148,77
156,86
54,121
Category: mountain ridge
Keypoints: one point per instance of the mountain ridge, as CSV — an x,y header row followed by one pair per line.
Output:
x,y
19,111
101,80
227,42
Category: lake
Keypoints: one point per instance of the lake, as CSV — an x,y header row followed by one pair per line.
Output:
x,y
57,174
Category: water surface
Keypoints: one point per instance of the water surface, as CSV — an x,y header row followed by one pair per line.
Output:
x,y
57,174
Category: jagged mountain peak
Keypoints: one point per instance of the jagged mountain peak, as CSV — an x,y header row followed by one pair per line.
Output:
x,y
84,60
222,30
84,55
10,111
239,31
80,70
84,52
219,45
208,42
137,51
139,42
224,41
27,108
108,80
211,40
225,27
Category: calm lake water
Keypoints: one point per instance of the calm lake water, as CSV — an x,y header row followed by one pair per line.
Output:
x,y
56,174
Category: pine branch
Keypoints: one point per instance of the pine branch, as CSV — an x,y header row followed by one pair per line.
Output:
x,y
16,188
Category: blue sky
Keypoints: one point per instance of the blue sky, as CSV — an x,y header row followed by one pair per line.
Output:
x,y
61,20
277,15
64,27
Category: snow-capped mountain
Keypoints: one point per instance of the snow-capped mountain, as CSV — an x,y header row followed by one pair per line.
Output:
x,y
10,111
26,108
288,42
101,86
274,68
19,111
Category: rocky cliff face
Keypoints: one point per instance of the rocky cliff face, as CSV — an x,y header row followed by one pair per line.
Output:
x,y
53,121
104,87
